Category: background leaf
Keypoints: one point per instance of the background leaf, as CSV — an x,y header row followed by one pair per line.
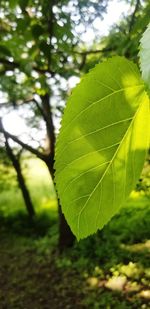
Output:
x,y
145,56
102,144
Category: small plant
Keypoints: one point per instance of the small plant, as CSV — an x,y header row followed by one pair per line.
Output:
x,y
103,141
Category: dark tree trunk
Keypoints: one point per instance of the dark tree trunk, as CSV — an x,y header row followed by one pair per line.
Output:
x,y
66,237
24,190
21,181
50,131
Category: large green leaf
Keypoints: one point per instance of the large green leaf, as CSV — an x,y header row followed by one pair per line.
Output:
x,y
102,144
145,56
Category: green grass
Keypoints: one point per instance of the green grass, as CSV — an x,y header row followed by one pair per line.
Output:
x,y
110,269
40,187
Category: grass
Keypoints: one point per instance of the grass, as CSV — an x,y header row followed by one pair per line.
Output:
x,y
108,270
40,188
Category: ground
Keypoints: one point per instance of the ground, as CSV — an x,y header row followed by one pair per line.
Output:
x,y
108,270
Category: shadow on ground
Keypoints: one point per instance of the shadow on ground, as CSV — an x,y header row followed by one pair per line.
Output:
x,y
108,270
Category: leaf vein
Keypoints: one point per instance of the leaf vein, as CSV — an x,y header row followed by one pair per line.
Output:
x,y
100,129
87,154
85,204
98,101
85,172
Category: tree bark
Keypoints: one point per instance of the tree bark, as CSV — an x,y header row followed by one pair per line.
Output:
x,y
25,192
50,131
66,237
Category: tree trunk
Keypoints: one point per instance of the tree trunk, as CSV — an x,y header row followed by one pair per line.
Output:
x,y
21,181
25,192
66,237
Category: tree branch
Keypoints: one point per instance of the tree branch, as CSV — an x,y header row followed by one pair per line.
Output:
x,y
17,103
39,108
131,24
50,30
22,144
88,52
13,65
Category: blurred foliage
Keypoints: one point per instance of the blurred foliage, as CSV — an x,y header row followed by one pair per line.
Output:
x,y
38,52
144,182
38,37
123,38
40,43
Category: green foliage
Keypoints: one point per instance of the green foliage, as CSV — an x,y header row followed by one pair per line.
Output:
x,y
26,33
145,56
143,184
123,39
102,145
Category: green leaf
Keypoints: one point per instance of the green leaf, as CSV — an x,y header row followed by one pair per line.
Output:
x,y
145,56
102,144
